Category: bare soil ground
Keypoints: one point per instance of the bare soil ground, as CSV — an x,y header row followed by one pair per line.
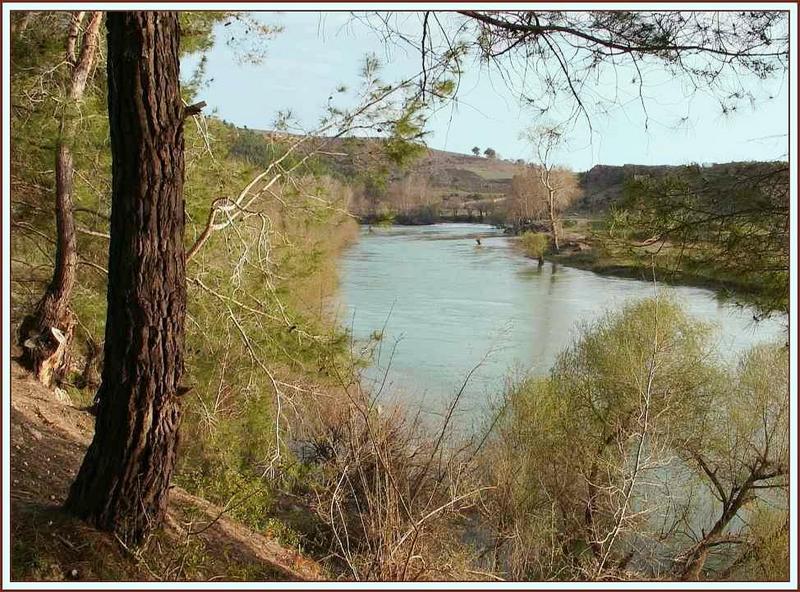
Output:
x,y
199,543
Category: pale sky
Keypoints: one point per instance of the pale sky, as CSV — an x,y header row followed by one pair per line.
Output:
x,y
316,52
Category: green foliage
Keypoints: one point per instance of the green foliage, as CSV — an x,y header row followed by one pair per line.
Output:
x,y
581,422
590,450
426,214
535,244
444,88
37,90
609,363
197,29
250,500
402,146
230,424
384,219
753,427
728,222
245,33
766,556
259,149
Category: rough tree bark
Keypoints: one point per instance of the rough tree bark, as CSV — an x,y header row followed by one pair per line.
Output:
x,y
72,36
83,67
123,483
45,335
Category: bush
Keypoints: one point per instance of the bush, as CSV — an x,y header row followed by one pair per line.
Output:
x,y
535,244
639,424
566,436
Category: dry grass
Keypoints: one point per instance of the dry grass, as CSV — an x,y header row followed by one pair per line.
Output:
x,y
199,542
394,493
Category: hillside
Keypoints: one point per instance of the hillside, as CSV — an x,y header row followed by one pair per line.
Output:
x,y
451,173
604,184
49,435
461,184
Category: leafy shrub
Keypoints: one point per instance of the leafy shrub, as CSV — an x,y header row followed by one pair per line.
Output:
x,y
535,244
639,418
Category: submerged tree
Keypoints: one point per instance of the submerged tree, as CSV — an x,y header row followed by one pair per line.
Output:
x,y
543,189
123,483
742,455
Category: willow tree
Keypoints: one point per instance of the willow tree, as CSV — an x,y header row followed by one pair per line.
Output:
x,y
123,483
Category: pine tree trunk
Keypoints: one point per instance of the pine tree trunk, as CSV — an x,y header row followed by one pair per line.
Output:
x,y
45,334
86,59
123,483
72,36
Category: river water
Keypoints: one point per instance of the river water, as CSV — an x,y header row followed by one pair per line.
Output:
x,y
446,303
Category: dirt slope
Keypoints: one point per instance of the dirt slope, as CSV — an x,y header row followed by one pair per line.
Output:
x,y
48,440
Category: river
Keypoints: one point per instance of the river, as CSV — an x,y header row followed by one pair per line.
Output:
x,y
447,303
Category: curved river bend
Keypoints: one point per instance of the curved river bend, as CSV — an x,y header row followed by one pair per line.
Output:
x,y
446,303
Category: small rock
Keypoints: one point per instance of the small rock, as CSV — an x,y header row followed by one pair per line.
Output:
x,y
73,574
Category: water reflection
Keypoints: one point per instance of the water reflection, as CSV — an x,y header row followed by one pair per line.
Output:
x,y
449,301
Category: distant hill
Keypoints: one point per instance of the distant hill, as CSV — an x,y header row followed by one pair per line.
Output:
x,y
604,184
447,173
451,173
456,179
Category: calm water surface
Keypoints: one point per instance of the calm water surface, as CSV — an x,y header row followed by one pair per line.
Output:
x,y
447,303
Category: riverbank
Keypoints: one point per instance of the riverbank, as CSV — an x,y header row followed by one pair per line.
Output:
x,y
468,329
441,301
599,262
586,244
417,219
